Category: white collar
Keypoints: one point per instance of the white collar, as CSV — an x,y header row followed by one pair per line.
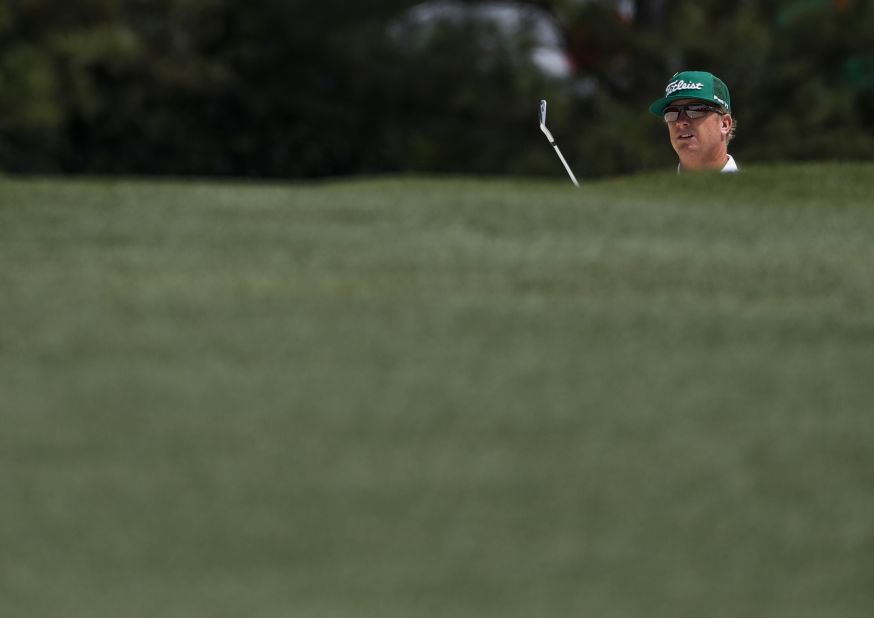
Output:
x,y
729,167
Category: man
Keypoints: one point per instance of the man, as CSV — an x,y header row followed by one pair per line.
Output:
x,y
697,109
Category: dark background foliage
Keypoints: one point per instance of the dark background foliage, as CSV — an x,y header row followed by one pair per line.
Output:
x,y
303,89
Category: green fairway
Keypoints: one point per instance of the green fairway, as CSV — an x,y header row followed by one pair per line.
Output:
x,y
652,397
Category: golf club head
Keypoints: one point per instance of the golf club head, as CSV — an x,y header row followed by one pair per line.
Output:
x,y
542,117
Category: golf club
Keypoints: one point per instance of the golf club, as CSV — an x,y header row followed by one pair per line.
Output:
x,y
552,141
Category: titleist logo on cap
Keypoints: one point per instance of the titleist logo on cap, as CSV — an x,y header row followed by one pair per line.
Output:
x,y
682,85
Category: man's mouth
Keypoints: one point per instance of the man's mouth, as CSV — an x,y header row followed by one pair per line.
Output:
x,y
685,136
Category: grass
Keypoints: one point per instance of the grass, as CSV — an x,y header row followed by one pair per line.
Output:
x,y
439,397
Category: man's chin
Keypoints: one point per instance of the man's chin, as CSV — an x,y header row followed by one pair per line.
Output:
x,y
689,157
690,146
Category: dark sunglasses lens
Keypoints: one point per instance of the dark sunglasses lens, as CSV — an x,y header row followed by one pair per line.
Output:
x,y
692,111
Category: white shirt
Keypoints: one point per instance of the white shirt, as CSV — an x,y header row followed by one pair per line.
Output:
x,y
729,168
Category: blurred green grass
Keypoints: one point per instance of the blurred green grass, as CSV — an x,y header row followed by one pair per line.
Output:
x,y
439,397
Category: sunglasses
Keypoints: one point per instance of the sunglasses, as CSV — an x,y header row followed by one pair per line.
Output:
x,y
692,111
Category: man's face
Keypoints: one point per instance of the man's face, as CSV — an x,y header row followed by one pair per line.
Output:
x,y
699,142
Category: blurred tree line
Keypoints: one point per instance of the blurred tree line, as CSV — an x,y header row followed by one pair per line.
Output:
x,y
303,89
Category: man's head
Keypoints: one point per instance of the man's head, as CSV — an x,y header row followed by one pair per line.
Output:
x,y
697,109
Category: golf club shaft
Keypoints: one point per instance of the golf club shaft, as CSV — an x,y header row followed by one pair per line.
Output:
x,y
546,132
566,166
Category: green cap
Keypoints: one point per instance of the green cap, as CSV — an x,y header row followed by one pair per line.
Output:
x,y
699,85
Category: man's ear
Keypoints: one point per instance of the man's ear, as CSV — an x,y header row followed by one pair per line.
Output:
x,y
726,122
